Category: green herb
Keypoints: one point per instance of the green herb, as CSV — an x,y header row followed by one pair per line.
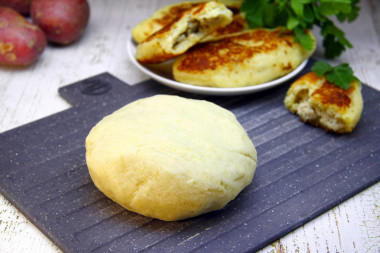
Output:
x,y
299,15
341,75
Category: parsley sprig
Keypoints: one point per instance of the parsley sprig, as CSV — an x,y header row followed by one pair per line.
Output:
x,y
341,75
299,15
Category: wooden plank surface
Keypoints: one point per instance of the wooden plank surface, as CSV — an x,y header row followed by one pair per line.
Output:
x,y
29,94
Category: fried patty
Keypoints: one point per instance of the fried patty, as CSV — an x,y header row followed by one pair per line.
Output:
x,y
170,13
243,59
187,30
323,104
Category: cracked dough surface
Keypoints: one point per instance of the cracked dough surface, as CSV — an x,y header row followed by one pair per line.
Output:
x,y
170,158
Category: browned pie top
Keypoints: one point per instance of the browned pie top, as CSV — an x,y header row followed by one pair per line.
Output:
x,y
197,8
209,56
176,12
172,13
238,24
328,93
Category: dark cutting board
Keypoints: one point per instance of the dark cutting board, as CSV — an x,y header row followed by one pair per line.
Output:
x,y
302,172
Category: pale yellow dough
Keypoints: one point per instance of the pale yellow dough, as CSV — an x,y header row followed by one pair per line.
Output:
x,y
170,158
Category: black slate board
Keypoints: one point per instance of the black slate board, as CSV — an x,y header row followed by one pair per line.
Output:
x,y
302,172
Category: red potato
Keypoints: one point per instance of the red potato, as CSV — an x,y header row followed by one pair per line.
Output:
x,y
21,43
63,21
21,6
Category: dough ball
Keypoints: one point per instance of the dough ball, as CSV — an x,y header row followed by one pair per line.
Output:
x,y
170,158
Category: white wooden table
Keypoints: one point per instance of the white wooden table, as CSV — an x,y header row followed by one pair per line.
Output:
x,y
30,94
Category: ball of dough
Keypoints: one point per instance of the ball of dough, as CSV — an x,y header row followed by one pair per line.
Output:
x,y
170,158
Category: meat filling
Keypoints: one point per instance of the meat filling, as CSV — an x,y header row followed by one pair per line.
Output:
x,y
192,28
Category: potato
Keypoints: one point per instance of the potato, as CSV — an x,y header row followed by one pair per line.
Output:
x,y
21,6
63,21
21,43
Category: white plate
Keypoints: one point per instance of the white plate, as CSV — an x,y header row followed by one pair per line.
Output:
x,y
162,73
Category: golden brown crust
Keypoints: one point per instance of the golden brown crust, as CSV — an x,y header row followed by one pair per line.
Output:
x,y
212,55
238,24
172,13
310,77
328,93
241,59
197,9
185,31
169,14
325,105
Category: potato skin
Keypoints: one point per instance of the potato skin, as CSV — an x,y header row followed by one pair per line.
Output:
x,y
63,21
21,6
21,43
